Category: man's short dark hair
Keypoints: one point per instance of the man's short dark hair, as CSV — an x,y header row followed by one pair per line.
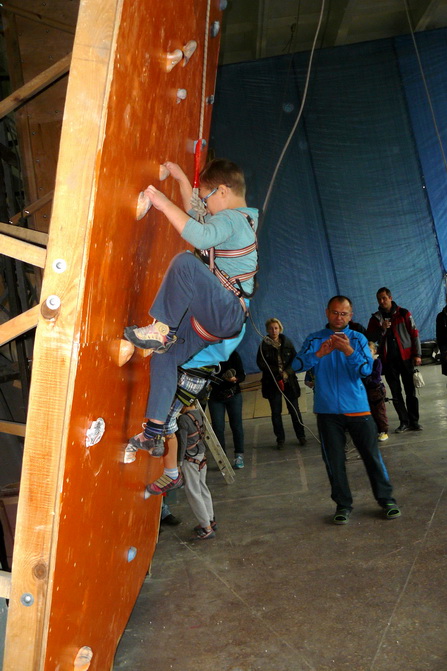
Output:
x,y
339,299
383,290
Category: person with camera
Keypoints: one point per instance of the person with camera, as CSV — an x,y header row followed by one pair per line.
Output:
x,y
227,397
275,355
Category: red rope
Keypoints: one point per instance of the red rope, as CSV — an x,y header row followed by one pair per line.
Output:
x,y
197,154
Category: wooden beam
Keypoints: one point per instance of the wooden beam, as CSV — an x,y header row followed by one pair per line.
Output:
x,y
35,86
23,251
12,428
40,18
19,325
5,584
28,234
423,15
30,209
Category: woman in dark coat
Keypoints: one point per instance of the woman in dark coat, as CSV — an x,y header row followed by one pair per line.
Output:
x,y
275,356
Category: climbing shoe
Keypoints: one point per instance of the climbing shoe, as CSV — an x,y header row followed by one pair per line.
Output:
x,y
153,337
154,445
164,484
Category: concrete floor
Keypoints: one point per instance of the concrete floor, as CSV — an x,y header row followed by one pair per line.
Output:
x,y
281,588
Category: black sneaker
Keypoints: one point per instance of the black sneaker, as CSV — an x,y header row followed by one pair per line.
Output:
x,y
402,427
416,427
170,520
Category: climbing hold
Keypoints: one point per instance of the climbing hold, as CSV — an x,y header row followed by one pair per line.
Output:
x,y
143,206
51,307
215,28
173,58
181,95
223,5
131,553
121,351
164,172
210,100
95,432
188,51
83,658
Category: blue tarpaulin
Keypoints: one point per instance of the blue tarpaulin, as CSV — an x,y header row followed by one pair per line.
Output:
x,y
359,201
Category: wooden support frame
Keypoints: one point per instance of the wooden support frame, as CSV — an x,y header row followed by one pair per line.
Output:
x,y
40,18
12,428
26,234
34,207
23,251
82,510
19,325
35,86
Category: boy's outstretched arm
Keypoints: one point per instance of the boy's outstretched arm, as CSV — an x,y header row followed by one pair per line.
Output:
x,y
174,214
183,182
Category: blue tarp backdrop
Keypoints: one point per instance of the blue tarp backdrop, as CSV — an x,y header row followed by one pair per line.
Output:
x,y
360,198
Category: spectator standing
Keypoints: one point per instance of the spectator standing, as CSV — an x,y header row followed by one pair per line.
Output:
x,y
340,358
274,358
441,337
399,348
227,397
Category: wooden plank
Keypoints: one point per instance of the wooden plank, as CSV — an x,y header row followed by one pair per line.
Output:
x,y
33,87
19,325
40,18
23,251
111,149
5,584
12,428
34,207
27,234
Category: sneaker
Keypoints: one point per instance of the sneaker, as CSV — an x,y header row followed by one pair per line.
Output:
x,y
392,511
153,337
164,484
416,427
213,525
302,440
170,520
382,436
402,427
154,445
341,516
205,534
239,461
280,444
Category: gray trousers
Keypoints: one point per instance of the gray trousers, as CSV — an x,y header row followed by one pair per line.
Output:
x,y
197,492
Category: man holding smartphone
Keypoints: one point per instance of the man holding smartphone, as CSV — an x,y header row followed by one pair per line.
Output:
x,y
399,349
341,358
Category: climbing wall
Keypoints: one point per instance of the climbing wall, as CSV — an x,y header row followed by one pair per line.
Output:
x,y
85,532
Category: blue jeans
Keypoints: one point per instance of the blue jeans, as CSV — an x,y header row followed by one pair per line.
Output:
x,y
363,431
233,406
294,410
188,290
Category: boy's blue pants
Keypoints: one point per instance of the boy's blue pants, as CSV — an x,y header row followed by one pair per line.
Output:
x,y
188,290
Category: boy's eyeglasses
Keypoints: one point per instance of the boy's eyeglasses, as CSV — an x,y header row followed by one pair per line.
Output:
x,y
205,198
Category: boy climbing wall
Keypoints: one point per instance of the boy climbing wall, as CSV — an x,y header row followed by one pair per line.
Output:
x,y
203,296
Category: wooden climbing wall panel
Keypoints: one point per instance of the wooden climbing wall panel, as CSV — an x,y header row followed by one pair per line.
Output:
x,y
82,513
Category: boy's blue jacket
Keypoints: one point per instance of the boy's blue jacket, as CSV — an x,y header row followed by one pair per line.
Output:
x,y
338,378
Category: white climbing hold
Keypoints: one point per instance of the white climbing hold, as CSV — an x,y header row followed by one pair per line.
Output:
x,y
164,172
173,58
188,51
143,205
95,432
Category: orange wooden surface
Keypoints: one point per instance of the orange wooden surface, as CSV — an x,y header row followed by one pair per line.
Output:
x,y
82,508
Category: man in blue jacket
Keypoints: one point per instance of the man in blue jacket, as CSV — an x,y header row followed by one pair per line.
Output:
x,y
340,358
